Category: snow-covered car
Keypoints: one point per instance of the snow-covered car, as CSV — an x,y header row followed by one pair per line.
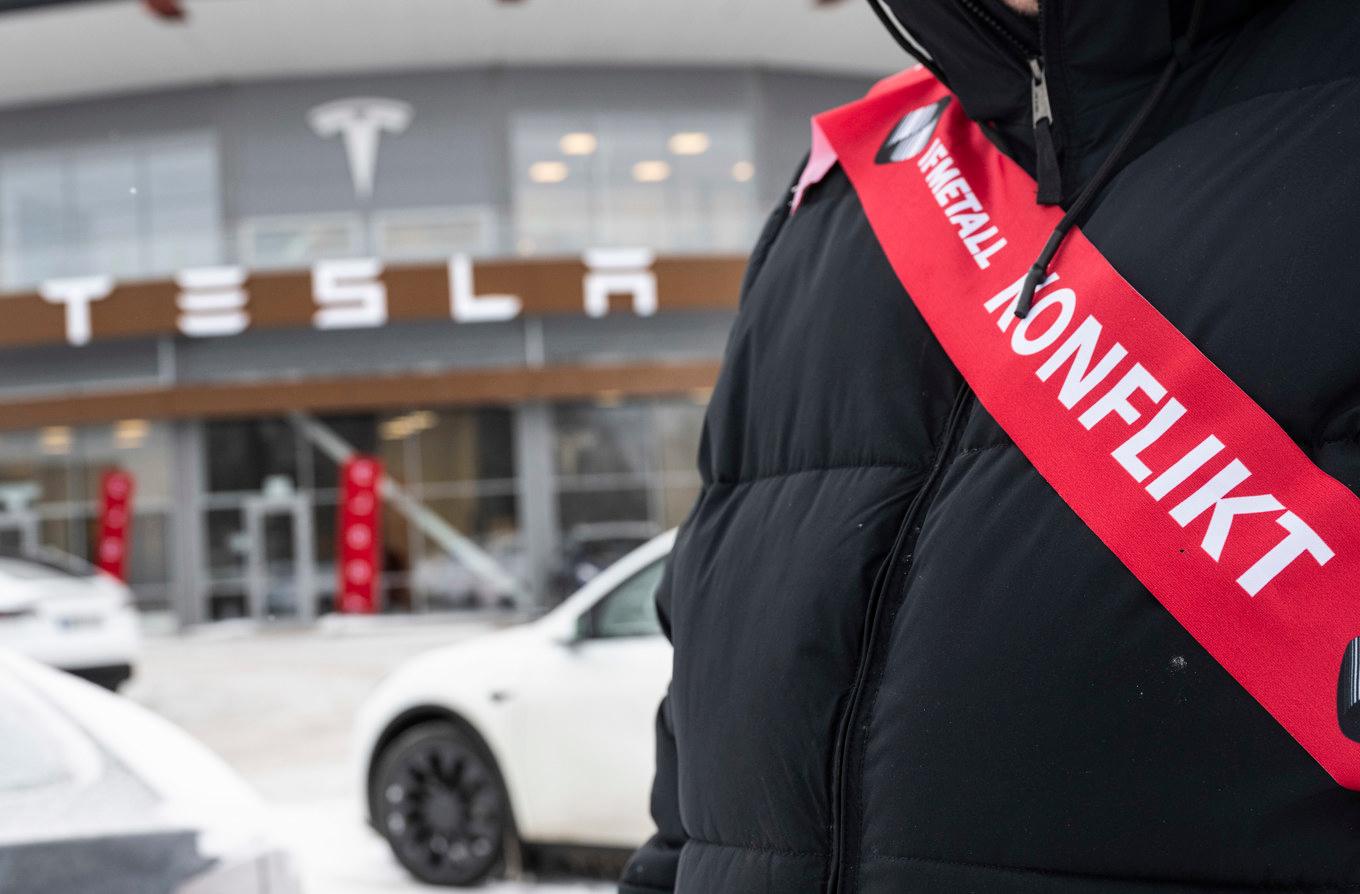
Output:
x,y
535,735
98,794
64,612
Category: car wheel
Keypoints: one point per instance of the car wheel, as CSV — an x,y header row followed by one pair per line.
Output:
x,y
438,800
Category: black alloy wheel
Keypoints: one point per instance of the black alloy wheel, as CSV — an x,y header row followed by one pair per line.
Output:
x,y
438,800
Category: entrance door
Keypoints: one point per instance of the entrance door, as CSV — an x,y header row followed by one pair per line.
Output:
x,y
18,532
280,557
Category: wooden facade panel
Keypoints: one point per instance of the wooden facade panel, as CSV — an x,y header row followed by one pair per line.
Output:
x,y
414,292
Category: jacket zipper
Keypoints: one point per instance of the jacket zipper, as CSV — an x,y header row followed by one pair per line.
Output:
x,y
1047,173
1047,170
891,574
1047,167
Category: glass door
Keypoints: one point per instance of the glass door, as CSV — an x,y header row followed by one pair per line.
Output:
x,y
280,558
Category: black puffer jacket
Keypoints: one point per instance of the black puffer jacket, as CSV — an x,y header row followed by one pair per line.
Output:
x,y
902,664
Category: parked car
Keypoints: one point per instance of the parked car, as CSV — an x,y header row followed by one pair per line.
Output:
x,y
64,612
535,735
98,794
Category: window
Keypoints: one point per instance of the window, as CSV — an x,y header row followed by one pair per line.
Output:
x,y
296,241
673,181
630,609
458,464
625,473
462,445
51,486
243,454
130,208
182,209
427,234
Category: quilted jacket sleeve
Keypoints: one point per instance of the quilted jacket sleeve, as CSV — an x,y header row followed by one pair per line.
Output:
x,y
652,868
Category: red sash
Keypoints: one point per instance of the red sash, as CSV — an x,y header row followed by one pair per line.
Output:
x,y
1249,545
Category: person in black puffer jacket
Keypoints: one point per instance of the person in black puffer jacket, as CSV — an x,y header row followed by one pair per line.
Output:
x,y
902,663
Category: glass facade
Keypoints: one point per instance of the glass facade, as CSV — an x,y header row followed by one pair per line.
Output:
x,y
664,164
50,492
236,517
127,208
624,472
677,182
457,463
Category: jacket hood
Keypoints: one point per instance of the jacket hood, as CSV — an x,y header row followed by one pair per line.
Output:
x,y
1099,57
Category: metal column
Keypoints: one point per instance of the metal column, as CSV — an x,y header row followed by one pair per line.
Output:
x,y
536,494
187,531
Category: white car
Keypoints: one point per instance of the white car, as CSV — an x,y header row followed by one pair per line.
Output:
x,y
98,794
536,735
63,612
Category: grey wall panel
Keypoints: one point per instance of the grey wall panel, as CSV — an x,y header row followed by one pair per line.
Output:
x,y
449,155
455,150
434,346
783,112
624,337
398,347
65,369
109,120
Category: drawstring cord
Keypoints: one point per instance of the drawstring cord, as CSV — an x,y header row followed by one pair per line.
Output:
x,y
1039,271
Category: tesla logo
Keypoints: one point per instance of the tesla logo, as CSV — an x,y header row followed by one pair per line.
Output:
x,y
360,123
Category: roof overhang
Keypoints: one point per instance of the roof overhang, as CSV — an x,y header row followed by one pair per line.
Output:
x,y
55,50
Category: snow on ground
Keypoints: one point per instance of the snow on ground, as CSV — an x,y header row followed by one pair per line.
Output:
x,y
277,705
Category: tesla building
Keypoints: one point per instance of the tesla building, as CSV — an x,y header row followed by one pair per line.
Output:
x,y
488,244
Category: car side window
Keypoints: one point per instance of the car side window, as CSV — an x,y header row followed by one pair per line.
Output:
x,y
630,608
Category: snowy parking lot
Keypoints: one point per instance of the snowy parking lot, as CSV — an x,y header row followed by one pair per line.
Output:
x,y
277,705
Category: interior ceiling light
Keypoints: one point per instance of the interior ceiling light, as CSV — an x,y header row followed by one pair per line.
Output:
x,y
651,171
55,439
130,433
743,171
578,143
548,171
689,142
400,427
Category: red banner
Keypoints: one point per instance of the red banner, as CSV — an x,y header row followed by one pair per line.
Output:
x,y
1198,491
115,522
357,553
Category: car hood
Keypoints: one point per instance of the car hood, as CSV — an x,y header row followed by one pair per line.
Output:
x,y
491,650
